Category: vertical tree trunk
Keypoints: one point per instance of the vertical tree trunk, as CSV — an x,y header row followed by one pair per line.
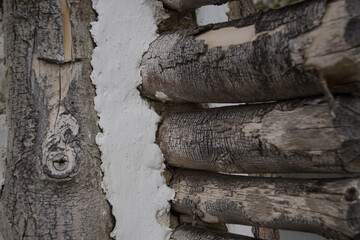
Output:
x,y
53,177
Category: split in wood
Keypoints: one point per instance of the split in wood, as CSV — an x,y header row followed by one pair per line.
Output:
x,y
329,207
275,55
287,137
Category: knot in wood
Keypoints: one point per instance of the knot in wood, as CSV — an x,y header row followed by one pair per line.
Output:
x,y
60,166
351,194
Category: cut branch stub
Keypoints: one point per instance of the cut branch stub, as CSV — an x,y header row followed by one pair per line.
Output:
x,y
291,136
319,206
275,55
198,233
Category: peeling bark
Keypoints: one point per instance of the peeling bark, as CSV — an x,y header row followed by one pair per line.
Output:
x,y
279,54
197,233
53,178
327,207
287,137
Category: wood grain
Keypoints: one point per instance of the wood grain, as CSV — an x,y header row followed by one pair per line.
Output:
x,y
286,137
327,207
279,54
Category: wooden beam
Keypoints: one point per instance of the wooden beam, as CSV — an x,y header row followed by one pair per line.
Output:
x,y
275,55
286,137
198,233
329,207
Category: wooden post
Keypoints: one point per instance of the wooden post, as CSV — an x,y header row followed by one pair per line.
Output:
x,y
198,233
287,137
275,55
327,207
53,177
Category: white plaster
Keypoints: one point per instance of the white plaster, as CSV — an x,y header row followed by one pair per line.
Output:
x,y
162,96
240,229
216,105
212,14
132,162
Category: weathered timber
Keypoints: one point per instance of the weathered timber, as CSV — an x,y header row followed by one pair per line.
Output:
x,y
279,54
190,5
53,177
327,207
240,9
190,220
198,233
286,137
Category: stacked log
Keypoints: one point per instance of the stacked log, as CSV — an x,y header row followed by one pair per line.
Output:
x,y
277,55
286,137
191,233
327,207
281,62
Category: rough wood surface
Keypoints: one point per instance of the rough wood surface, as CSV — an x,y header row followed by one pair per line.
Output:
x,y
197,233
265,233
328,207
241,9
279,54
286,137
53,178
192,221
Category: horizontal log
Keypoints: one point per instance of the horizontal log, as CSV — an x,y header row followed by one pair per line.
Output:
x,y
287,137
190,5
191,221
191,233
327,207
276,55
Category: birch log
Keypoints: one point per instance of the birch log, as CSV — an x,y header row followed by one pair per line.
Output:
x,y
287,137
53,178
327,207
197,233
279,54
190,5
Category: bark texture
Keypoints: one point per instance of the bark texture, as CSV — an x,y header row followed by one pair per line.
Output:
x,y
53,178
197,233
241,9
286,137
279,54
265,233
327,207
